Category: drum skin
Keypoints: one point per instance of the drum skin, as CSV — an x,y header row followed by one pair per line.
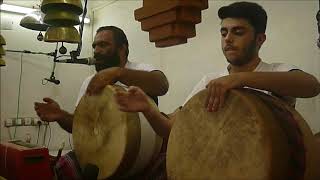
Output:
x,y
247,139
111,139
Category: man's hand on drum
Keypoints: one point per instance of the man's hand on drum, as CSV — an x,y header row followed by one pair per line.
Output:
x,y
133,100
218,89
48,111
103,78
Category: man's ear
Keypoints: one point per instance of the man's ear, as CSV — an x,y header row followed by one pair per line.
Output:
x,y
122,50
261,38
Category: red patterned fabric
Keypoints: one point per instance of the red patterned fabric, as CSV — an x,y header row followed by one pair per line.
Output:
x,y
67,167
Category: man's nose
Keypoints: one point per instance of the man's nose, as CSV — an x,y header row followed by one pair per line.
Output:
x,y
228,38
96,50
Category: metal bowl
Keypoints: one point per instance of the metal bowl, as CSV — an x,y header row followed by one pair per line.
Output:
x,y
2,51
2,62
2,40
34,21
68,5
61,18
62,34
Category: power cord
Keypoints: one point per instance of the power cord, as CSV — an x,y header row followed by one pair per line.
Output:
x,y
52,77
39,124
49,136
19,93
70,142
45,135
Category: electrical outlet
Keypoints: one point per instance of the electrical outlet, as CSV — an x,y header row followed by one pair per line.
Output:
x,y
18,121
8,122
24,121
27,121
33,121
37,121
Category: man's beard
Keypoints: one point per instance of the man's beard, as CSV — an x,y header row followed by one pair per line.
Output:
x,y
247,57
107,61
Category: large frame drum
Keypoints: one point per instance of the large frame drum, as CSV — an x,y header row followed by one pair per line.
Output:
x,y
253,137
118,143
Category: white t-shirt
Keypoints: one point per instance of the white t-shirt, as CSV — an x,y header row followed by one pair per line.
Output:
x,y
262,67
129,65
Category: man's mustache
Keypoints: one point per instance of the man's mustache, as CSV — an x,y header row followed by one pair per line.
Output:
x,y
228,48
100,56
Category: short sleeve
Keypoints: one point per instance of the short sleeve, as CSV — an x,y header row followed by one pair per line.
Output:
x,y
281,67
83,89
141,67
202,84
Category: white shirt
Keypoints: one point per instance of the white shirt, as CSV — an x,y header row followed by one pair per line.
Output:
x,y
262,67
129,65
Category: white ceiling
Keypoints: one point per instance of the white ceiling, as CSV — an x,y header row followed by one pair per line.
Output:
x,y
34,3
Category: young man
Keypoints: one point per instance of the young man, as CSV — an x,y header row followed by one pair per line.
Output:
x,y
111,51
243,26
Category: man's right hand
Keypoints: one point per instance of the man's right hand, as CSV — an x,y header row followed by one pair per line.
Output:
x,y
134,100
49,110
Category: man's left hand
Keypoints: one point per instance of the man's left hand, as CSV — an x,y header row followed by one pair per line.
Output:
x,y
218,89
103,78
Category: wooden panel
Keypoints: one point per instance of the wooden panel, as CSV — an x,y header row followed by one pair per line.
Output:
x,y
171,42
205,4
172,30
170,22
157,2
153,2
180,15
148,11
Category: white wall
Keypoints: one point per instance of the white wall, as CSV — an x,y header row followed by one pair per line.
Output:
x,y
34,69
291,37
291,32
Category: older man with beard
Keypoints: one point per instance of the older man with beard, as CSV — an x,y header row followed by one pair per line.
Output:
x,y
111,51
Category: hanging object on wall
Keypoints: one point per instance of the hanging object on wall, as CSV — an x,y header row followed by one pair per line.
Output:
x,y
318,19
2,51
62,15
67,34
34,21
170,22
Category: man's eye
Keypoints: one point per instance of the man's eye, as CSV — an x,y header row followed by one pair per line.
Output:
x,y
103,44
239,32
223,34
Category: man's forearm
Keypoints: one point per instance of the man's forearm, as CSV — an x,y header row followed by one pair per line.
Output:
x,y
293,83
153,83
66,121
160,123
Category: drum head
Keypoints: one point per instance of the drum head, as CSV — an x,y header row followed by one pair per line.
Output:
x,y
105,136
240,141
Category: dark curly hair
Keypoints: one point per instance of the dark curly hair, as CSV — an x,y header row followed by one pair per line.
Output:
x,y
119,36
252,12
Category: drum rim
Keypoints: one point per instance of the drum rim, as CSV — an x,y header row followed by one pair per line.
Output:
x,y
132,145
246,91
